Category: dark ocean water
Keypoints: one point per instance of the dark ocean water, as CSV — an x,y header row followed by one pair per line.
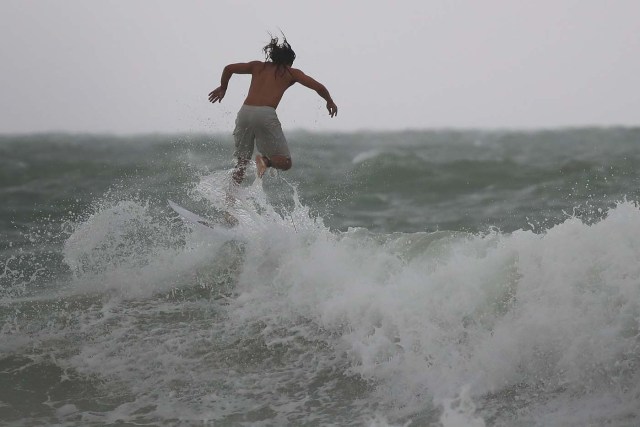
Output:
x,y
438,278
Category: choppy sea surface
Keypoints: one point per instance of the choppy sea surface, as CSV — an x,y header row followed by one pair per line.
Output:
x,y
427,278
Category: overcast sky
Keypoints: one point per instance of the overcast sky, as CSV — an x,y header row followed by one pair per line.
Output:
x,y
147,65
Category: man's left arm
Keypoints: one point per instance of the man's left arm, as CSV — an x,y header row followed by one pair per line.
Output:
x,y
320,89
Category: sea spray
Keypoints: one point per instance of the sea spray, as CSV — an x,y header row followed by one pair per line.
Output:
x,y
408,320
555,312
418,317
492,270
460,411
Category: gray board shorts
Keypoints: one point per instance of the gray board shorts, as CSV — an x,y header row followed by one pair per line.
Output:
x,y
259,125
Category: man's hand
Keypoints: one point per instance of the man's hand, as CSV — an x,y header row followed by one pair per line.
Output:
x,y
333,108
217,94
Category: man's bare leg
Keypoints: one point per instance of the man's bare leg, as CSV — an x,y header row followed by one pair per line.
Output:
x,y
238,172
237,176
278,162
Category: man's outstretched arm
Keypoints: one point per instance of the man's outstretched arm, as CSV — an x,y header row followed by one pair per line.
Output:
x,y
240,68
311,83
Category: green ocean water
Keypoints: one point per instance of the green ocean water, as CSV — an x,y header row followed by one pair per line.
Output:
x,y
387,278
406,181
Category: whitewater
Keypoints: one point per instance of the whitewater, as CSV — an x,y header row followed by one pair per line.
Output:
x,y
426,279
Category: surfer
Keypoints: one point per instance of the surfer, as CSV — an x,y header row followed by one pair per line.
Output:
x,y
257,122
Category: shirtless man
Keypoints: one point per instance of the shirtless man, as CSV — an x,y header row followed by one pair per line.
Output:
x,y
257,122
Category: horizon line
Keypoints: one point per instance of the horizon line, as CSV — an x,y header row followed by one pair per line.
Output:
x,y
453,129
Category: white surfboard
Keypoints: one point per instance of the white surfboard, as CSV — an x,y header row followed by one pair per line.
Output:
x,y
205,226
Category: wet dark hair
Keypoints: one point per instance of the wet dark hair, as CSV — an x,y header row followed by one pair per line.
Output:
x,y
279,54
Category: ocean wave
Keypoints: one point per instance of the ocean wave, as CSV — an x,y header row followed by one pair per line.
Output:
x,y
121,313
418,317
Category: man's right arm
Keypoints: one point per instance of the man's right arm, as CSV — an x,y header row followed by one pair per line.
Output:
x,y
240,68
311,83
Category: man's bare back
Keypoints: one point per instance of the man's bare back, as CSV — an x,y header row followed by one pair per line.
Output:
x,y
269,81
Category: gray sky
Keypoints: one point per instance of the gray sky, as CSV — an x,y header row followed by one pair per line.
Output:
x,y
147,65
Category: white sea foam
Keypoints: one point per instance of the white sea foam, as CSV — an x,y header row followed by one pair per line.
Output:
x,y
552,312
366,155
124,248
460,411
429,319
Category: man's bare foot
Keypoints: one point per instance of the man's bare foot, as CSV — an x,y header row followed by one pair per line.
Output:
x,y
261,165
